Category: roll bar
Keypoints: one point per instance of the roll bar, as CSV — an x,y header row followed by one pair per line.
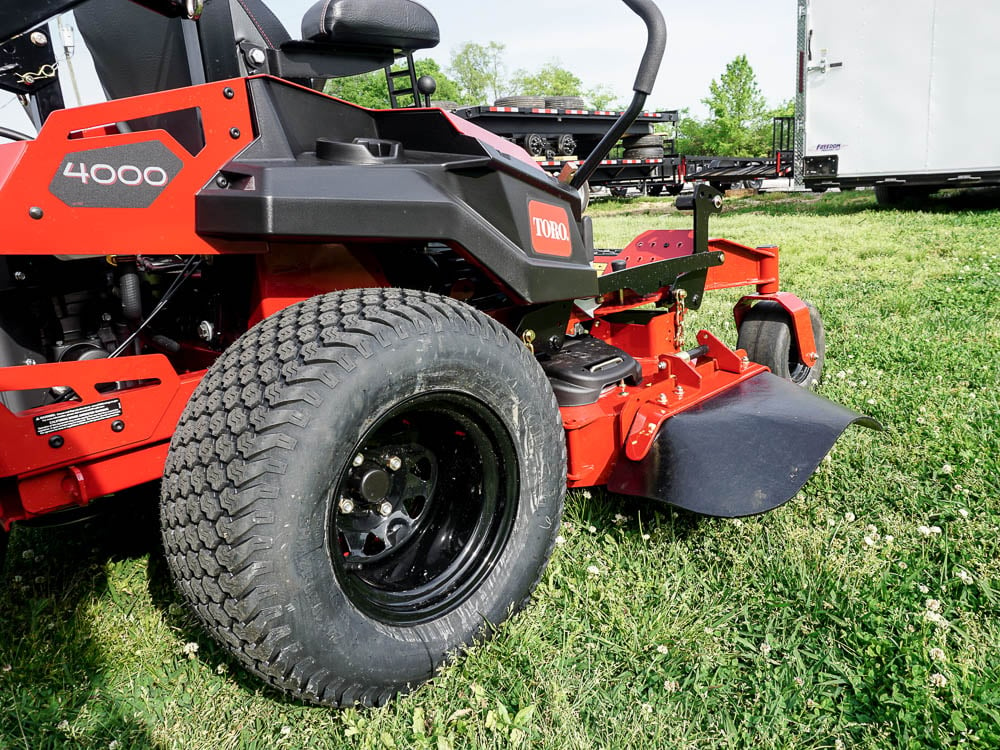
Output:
x,y
649,67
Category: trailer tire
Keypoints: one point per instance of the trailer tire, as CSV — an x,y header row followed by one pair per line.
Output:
x,y
767,335
381,397
526,102
643,141
647,152
564,102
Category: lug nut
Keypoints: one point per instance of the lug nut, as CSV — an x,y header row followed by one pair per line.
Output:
x,y
395,463
385,508
358,460
346,505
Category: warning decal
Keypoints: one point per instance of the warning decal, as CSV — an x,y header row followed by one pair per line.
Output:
x,y
81,415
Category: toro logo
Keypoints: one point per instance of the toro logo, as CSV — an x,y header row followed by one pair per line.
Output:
x,y
127,176
549,229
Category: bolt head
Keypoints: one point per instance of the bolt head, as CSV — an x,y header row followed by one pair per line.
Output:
x,y
257,56
662,398
346,505
358,460
19,276
39,39
662,366
385,508
395,463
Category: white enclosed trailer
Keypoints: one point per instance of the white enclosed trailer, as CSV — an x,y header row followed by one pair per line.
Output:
x,y
900,94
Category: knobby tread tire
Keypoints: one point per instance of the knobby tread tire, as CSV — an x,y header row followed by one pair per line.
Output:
x,y
223,505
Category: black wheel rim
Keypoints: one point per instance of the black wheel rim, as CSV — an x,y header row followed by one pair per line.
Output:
x,y
424,507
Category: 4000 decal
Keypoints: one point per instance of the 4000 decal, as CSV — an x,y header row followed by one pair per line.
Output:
x,y
128,176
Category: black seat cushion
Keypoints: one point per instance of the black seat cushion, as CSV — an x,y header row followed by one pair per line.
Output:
x,y
395,24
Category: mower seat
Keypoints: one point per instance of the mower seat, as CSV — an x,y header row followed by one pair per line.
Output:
x,y
392,24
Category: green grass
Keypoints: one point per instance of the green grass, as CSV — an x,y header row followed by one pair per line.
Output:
x,y
812,626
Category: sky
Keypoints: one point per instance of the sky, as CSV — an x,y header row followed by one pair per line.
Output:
x,y
601,41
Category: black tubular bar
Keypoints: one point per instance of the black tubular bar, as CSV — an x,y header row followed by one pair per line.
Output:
x,y
652,57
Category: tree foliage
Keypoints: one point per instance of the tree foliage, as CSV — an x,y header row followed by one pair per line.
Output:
x,y
371,89
479,71
549,80
739,123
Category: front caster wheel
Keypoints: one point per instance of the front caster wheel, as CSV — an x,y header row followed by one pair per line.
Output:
x,y
362,485
768,337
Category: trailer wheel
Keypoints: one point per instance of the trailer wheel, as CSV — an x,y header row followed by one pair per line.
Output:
x,y
363,484
535,144
566,145
767,335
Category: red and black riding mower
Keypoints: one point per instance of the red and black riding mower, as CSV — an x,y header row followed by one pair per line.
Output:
x,y
364,352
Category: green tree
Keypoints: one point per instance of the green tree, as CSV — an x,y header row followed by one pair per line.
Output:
x,y
549,80
739,123
479,71
371,90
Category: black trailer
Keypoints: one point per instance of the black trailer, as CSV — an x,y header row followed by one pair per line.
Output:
x,y
645,159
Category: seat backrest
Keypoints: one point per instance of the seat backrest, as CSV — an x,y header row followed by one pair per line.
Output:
x,y
137,51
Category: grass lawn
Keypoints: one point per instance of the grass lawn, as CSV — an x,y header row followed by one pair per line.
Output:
x,y
866,613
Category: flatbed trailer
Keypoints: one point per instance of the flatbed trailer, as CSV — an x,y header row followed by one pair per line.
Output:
x,y
554,136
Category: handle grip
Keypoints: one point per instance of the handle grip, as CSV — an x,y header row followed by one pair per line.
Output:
x,y
655,45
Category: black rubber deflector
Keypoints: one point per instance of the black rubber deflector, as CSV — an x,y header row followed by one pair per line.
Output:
x,y
743,452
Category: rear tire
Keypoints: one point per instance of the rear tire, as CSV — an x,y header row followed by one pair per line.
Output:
x,y
458,432
768,338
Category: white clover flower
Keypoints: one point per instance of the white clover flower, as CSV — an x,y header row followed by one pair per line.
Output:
x,y
810,703
560,540
221,669
662,649
647,708
849,517
592,529
963,512
799,681
593,570
935,529
889,538
586,494
938,680
872,401
933,605
965,576
285,731
871,529
620,519
190,649
921,420
765,648
934,617
870,542
6,668
923,589
671,686
645,537
924,530
947,469
937,654
113,745
839,744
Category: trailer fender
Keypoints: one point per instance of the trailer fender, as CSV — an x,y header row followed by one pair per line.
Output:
x,y
744,452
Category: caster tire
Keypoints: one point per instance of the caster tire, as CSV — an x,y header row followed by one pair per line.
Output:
x,y
767,336
362,485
